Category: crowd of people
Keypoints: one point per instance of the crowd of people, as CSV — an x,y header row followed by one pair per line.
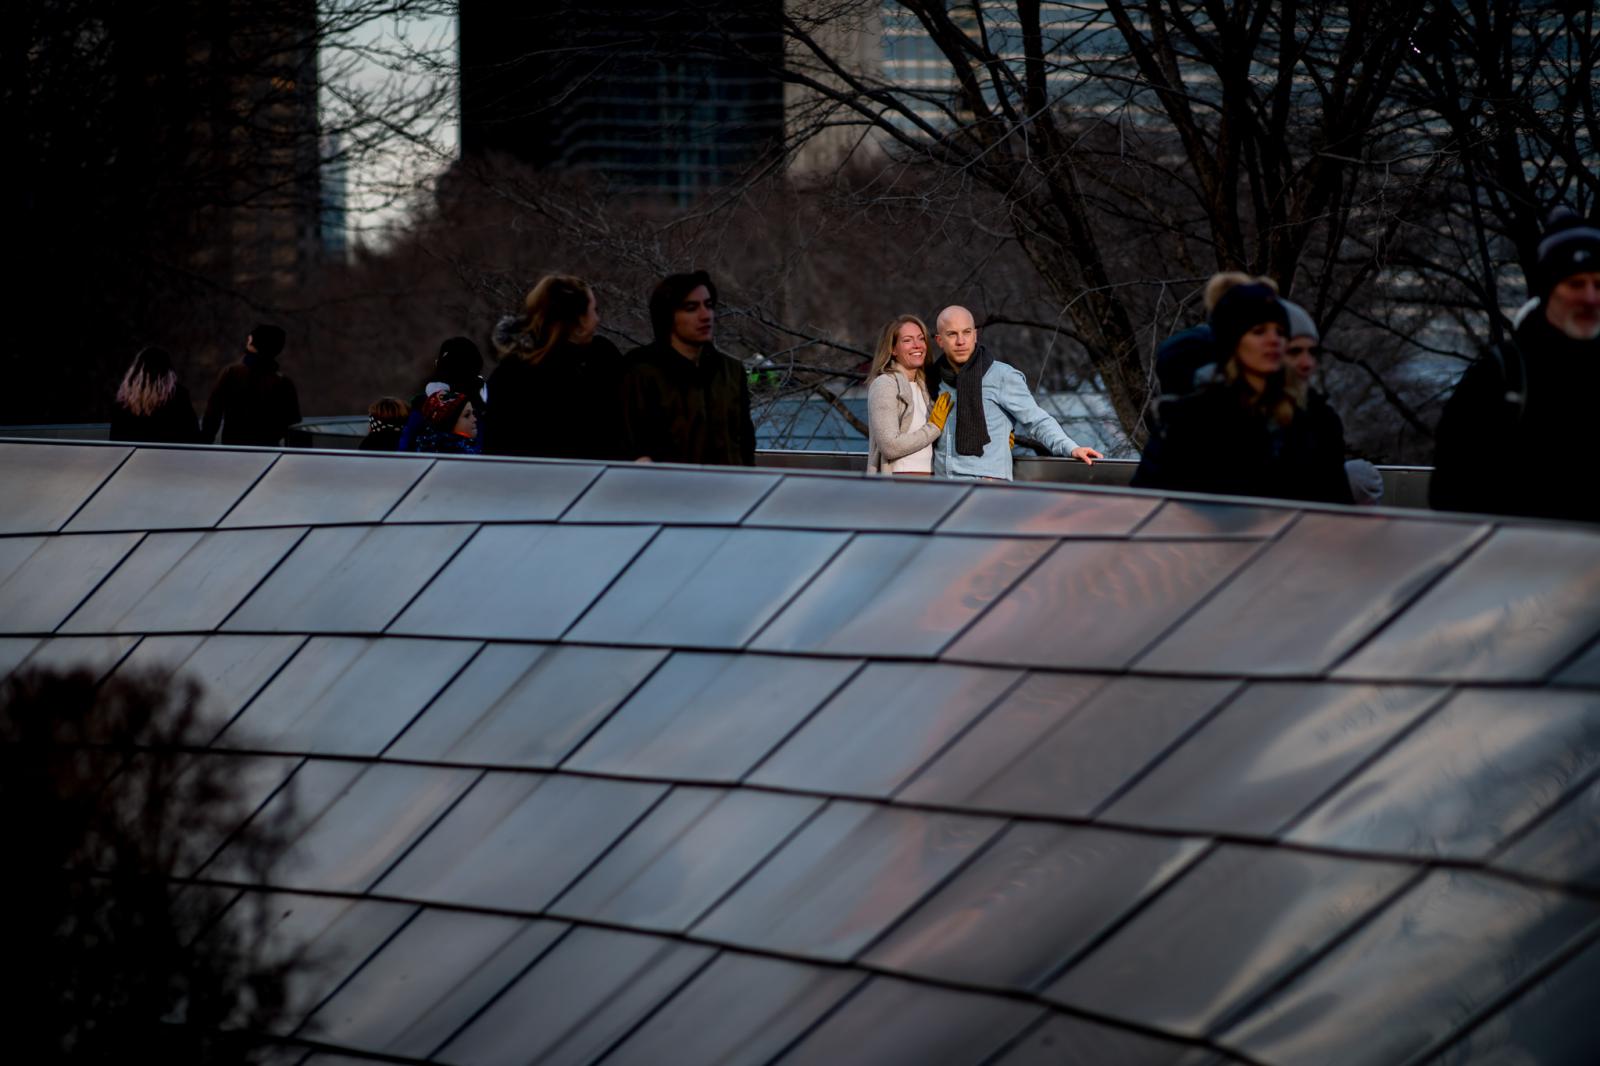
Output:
x,y
1238,411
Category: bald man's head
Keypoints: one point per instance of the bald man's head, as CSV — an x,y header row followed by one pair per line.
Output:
x,y
956,334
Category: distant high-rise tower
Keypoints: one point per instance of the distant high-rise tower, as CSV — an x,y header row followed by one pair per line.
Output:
x,y
655,97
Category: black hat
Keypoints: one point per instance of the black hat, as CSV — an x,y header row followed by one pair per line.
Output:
x,y
268,340
1571,245
459,364
1240,310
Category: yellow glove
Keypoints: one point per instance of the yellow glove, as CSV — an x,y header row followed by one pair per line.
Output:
x,y
1011,441
941,411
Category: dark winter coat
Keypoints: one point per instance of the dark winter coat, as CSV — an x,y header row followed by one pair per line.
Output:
x,y
172,423
678,410
442,442
1181,355
1532,455
253,404
1211,442
381,440
566,406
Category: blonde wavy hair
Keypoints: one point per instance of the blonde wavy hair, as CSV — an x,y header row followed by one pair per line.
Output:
x,y
884,355
149,382
550,312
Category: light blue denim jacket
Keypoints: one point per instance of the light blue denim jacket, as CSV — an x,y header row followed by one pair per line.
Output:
x,y
1008,404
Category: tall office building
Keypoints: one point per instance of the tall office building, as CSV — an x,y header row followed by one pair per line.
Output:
x,y
660,98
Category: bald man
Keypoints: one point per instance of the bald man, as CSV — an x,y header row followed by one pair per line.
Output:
x,y
991,400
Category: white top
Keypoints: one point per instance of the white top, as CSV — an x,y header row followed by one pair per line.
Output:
x,y
921,460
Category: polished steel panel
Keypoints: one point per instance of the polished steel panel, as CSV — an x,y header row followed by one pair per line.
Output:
x,y
1584,670
43,484
1097,605
683,857
706,588
1551,1024
679,497
176,582
96,654
1066,1041
1269,755
349,579
857,503
1514,611
354,820
1474,938
172,488
229,669
1073,768
739,1011
1481,768
1017,510
334,936
525,705
896,1023
252,779
1293,612
522,582
42,579
899,595
471,490
710,717
1032,901
518,839
882,727
586,994
13,650
1232,928
428,981
1565,846
328,489
852,872
1186,518
312,705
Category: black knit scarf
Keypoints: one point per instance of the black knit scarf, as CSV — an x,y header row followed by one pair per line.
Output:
x,y
972,426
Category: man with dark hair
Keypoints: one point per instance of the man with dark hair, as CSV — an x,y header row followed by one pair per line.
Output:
x,y
683,401
1516,436
252,401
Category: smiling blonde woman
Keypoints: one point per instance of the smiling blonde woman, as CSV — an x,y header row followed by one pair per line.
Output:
x,y
902,422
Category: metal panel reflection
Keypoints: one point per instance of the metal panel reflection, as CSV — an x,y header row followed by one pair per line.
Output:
x,y
1067,1041
328,489
474,490
522,582
1291,613
710,717
1029,903
44,484
683,857
229,669
1473,936
307,707
1514,611
172,488
1021,511
1551,1024
853,503
880,729
895,1023
518,839
676,497
177,582
522,705
706,588
1269,754
351,579
584,995
43,579
1232,928
1075,766
1464,780
1565,845
899,595
844,878
1187,518
1097,605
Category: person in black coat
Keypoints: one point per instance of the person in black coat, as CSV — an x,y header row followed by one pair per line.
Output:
x,y
458,368
253,402
1245,433
683,401
1516,437
557,392
152,404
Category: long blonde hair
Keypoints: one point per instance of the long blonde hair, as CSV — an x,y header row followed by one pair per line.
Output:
x,y
885,352
550,312
149,382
